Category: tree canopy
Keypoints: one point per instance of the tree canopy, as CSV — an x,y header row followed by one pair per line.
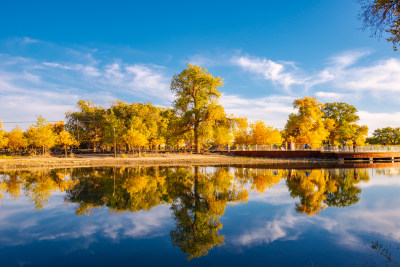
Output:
x,y
196,101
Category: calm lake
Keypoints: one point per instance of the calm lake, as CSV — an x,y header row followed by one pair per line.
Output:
x,y
213,216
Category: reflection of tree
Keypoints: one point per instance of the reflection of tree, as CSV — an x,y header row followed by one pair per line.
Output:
x,y
346,193
198,205
38,185
122,189
320,188
310,186
259,179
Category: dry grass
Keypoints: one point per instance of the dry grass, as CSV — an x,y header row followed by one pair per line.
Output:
x,y
146,160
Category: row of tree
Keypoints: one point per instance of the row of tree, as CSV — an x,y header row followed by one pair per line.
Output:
x,y
41,135
196,119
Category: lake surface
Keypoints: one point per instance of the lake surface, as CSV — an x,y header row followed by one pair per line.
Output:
x,y
214,216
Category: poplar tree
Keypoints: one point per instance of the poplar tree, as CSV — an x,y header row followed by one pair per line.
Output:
x,y
196,101
308,125
3,137
16,139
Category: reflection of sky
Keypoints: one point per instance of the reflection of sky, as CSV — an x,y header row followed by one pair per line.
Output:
x,y
266,229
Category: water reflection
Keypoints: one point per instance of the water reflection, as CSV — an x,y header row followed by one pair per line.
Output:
x,y
197,196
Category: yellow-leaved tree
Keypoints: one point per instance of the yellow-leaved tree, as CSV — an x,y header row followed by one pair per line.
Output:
x,y
241,131
3,137
65,140
16,139
41,134
265,135
308,125
196,101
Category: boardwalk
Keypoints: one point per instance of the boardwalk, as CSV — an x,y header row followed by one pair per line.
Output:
x,y
365,153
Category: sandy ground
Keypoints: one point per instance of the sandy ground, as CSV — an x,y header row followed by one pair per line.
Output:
x,y
147,160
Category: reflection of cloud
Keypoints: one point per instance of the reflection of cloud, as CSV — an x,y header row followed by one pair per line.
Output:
x,y
56,223
280,228
382,181
350,227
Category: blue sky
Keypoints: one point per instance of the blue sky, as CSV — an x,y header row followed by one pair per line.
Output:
x,y
53,53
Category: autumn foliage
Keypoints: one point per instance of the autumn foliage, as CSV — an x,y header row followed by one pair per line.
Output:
x,y
196,121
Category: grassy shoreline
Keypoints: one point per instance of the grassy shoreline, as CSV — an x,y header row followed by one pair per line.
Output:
x,y
100,160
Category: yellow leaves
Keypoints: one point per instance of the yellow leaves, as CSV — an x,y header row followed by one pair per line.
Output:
x,y
41,134
196,102
265,135
3,138
308,125
65,139
16,139
135,138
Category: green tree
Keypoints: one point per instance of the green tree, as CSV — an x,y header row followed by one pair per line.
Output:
x,y
382,16
388,135
344,117
196,101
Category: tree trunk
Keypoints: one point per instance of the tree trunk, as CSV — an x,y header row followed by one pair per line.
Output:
x,y
66,153
196,138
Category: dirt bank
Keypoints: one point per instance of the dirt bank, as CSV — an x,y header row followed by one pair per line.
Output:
x,y
148,160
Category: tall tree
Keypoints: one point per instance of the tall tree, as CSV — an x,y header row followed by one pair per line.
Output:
x,y
344,117
382,16
196,100
308,125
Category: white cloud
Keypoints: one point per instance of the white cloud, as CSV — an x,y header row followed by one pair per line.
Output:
x,y
276,72
273,110
379,120
30,87
329,96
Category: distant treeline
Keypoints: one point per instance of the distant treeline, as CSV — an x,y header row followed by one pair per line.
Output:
x,y
196,120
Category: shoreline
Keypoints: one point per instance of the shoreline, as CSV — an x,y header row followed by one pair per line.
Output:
x,y
100,160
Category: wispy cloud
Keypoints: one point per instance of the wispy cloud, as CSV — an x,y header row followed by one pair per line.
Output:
x,y
30,86
274,110
280,73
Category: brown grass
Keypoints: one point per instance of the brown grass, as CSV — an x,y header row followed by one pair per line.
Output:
x,y
100,160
